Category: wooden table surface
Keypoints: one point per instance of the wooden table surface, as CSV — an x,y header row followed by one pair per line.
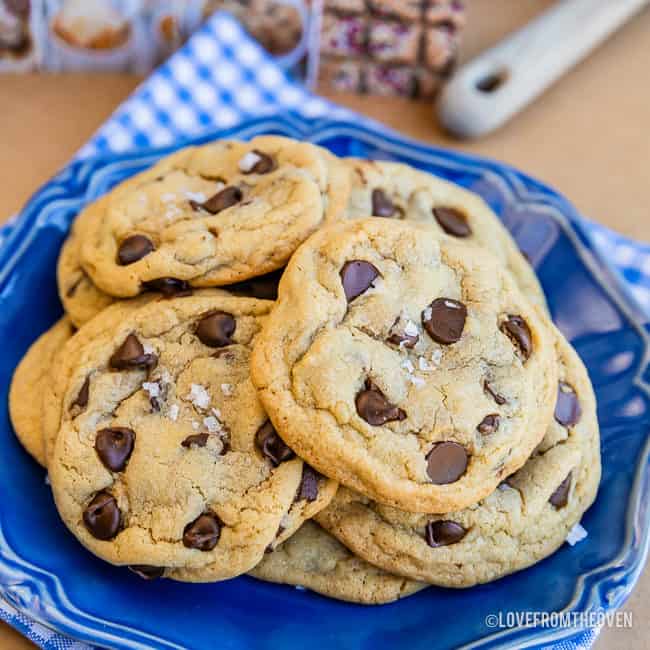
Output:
x,y
588,136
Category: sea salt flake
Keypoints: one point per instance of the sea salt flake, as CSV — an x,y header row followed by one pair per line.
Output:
x,y
411,329
168,197
199,396
576,534
436,357
249,161
300,588
216,413
407,364
148,349
47,479
211,424
423,364
195,425
173,412
152,388
285,522
199,197
417,381
427,313
227,389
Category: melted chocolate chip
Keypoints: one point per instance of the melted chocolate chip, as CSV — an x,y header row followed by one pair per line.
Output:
x,y
271,445
169,287
147,572
452,221
499,399
131,355
443,532
308,488
114,447
382,206
216,329
226,198
567,407
444,320
264,165
560,497
203,533
264,286
489,424
81,401
134,248
102,517
446,462
374,408
357,277
517,330
196,440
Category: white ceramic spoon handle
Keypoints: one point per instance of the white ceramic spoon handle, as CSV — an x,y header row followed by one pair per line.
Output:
x,y
489,90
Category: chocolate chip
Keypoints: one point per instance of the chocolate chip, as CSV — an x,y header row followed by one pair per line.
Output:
x,y
357,276
216,329
560,497
447,462
147,572
374,408
271,445
489,424
308,488
398,336
169,287
567,407
443,532
382,206
196,440
131,355
134,248
488,388
81,400
452,221
444,320
264,286
114,447
203,533
226,198
264,165
102,517
517,330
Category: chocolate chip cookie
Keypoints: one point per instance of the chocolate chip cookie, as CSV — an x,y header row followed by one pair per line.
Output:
x,y
314,559
28,384
397,191
212,215
405,365
524,520
165,457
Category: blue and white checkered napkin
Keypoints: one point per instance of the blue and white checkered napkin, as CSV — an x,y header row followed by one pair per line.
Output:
x,y
221,78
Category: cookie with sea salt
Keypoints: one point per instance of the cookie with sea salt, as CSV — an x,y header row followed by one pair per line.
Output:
x,y
165,459
396,191
315,560
523,521
212,215
405,365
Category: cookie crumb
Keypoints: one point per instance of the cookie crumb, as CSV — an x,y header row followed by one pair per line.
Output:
x,y
576,534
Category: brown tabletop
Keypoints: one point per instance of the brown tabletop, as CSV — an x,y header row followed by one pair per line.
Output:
x,y
588,137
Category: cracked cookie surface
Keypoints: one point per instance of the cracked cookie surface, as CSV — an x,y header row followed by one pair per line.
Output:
x,y
28,384
314,559
405,365
398,191
165,457
524,520
212,215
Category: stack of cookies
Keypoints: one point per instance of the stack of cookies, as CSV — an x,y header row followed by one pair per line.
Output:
x,y
398,411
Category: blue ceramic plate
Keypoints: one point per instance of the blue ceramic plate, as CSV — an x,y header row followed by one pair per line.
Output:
x,y
45,573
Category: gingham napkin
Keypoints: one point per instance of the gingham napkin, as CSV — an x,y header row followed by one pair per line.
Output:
x,y
221,78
